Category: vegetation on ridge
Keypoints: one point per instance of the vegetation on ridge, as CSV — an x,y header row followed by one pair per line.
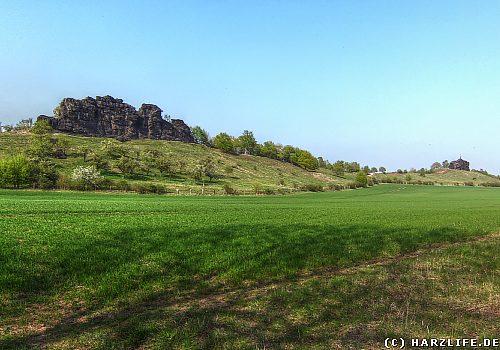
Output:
x,y
36,158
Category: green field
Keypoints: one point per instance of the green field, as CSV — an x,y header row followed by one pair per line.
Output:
x,y
332,270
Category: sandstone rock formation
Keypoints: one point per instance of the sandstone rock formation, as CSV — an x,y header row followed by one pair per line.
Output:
x,y
111,117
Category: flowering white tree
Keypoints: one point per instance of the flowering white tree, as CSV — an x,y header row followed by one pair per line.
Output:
x,y
87,175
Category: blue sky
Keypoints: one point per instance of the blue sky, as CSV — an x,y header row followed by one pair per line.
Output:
x,y
394,83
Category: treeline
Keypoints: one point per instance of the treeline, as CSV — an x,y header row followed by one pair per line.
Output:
x,y
35,167
247,144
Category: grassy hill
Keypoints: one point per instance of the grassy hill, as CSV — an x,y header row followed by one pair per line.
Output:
x,y
245,173
444,177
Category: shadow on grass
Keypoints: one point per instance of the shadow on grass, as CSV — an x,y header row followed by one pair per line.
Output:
x,y
136,177
231,286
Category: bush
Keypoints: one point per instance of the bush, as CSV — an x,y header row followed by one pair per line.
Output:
x,y
490,184
312,188
86,177
44,175
257,188
334,187
149,187
229,190
361,179
63,182
122,185
268,191
353,185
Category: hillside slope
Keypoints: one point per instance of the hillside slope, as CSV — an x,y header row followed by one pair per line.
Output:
x,y
245,173
444,177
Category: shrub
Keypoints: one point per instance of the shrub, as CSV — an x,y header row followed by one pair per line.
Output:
x,y
268,191
122,185
312,188
361,179
353,185
105,184
44,175
63,182
490,184
87,176
334,187
229,190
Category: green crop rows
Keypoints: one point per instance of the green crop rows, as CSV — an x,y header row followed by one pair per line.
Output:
x,y
101,271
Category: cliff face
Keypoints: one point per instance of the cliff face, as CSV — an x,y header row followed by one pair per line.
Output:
x,y
111,117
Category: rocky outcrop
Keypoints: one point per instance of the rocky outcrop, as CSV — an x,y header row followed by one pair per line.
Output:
x,y
111,117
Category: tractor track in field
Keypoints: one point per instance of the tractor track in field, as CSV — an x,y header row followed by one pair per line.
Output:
x,y
35,333
251,291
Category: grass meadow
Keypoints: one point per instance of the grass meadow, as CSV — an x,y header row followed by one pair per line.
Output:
x,y
333,270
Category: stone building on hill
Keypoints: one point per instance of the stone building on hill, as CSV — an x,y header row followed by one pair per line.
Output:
x,y
460,164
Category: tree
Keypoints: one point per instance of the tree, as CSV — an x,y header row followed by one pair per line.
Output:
x,y
436,165
224,142
181,165
306,160
208,168
149,160
127,165
42,127
205,167
373,170
338,168
361,178
200,136
87,176
382,169
408,178
24,125
287,153
44,174
366,169
165,165
61,147
16,171
269,150
354,167
247,142
446,164
321,162
113,149
41,144
8,128
84,151
98,160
